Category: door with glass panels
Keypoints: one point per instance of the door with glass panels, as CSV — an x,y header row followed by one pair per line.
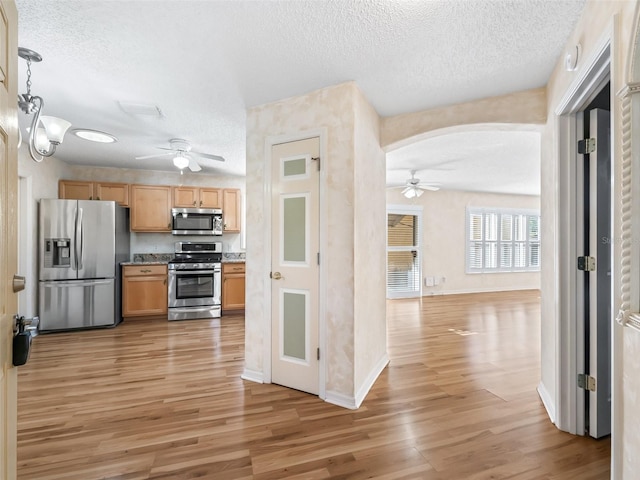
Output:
x,y
294,264
403,254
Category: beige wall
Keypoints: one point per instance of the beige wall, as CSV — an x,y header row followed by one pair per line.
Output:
x,y
599,18
444,240
370,337
351,130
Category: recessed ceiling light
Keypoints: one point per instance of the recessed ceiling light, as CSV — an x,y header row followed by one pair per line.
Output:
x,y
94,135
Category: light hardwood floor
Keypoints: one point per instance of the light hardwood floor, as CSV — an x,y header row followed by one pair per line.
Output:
x,y
153,399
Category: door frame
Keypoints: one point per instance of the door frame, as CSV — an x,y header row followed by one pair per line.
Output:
x,y
270,141
568,414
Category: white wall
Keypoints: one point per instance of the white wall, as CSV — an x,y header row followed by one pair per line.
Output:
x,y
444,240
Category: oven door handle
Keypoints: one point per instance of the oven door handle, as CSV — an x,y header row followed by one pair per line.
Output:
x,y
191,272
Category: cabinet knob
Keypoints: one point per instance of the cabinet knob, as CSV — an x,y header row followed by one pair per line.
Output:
x,y
200,202
194,203
169,226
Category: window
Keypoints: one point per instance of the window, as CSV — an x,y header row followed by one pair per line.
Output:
x,y
502,240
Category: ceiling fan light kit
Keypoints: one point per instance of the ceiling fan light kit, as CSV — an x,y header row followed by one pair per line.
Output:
x,y
182,155
414,189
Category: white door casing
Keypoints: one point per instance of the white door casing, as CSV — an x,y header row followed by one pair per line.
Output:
x,y
295,264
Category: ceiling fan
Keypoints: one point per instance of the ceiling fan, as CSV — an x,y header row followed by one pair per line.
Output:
x,y
413,188
183,155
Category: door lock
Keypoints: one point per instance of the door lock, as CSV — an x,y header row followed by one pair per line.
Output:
x,y
276,275
18,283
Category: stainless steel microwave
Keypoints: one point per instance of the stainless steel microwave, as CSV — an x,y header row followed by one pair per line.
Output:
x,y
196,221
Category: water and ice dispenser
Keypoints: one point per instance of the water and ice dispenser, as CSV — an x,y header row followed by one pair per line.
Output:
x,y
57,252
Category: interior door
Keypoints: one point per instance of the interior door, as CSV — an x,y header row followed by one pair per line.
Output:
x,y
599,280
8,232
294,264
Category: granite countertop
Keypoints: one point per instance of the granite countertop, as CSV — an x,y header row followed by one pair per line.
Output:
x,y
150,259
157,262
165,258
233,257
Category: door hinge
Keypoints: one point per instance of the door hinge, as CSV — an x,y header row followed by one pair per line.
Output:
x,y
318,258
588,145
586,382
587,264
318,353
318,160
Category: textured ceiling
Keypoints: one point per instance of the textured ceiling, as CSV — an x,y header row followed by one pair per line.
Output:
x,y
204,62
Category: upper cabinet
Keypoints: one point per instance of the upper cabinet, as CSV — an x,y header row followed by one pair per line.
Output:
x,y
197,197
231,210
82,190
118,192
150,208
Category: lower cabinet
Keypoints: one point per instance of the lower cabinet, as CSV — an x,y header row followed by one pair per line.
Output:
x,y
233,286
144,290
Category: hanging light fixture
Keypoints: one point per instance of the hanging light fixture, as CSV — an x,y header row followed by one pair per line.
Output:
x,y
54,128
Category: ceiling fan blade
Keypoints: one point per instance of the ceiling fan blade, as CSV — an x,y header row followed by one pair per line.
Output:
x,y
432,188
193,165
208,155
153,156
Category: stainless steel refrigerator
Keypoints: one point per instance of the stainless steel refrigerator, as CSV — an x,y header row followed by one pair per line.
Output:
x,y
80,246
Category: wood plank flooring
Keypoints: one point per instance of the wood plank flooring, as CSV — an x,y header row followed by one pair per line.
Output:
x,y
160,400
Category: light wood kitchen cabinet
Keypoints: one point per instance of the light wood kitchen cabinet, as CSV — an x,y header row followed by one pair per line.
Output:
x,y
82,190
75,190
231,210
118,192
233,286
150,208
144,290
194,197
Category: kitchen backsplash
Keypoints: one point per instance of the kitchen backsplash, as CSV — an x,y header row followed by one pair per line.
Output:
x,y
233,256
165,242
152,257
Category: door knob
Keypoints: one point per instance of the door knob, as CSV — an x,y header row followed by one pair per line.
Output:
x,y
18,283
276,275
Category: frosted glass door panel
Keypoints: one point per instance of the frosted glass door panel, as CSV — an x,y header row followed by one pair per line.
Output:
x,y
294,229
294,325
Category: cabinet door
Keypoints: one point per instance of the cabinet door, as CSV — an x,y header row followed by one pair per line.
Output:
x,y
210,198
144,295
118,192
185,197
231,210
150,208
233,287
75,190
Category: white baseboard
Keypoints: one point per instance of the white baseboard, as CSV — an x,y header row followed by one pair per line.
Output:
x,y
371,379
547,401
353,403
341,400
252,376
476,290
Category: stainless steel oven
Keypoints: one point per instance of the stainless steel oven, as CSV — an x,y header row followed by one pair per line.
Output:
x,y
195,275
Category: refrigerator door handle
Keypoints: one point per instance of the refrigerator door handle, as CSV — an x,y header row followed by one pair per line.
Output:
x,y
79,240
75,283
